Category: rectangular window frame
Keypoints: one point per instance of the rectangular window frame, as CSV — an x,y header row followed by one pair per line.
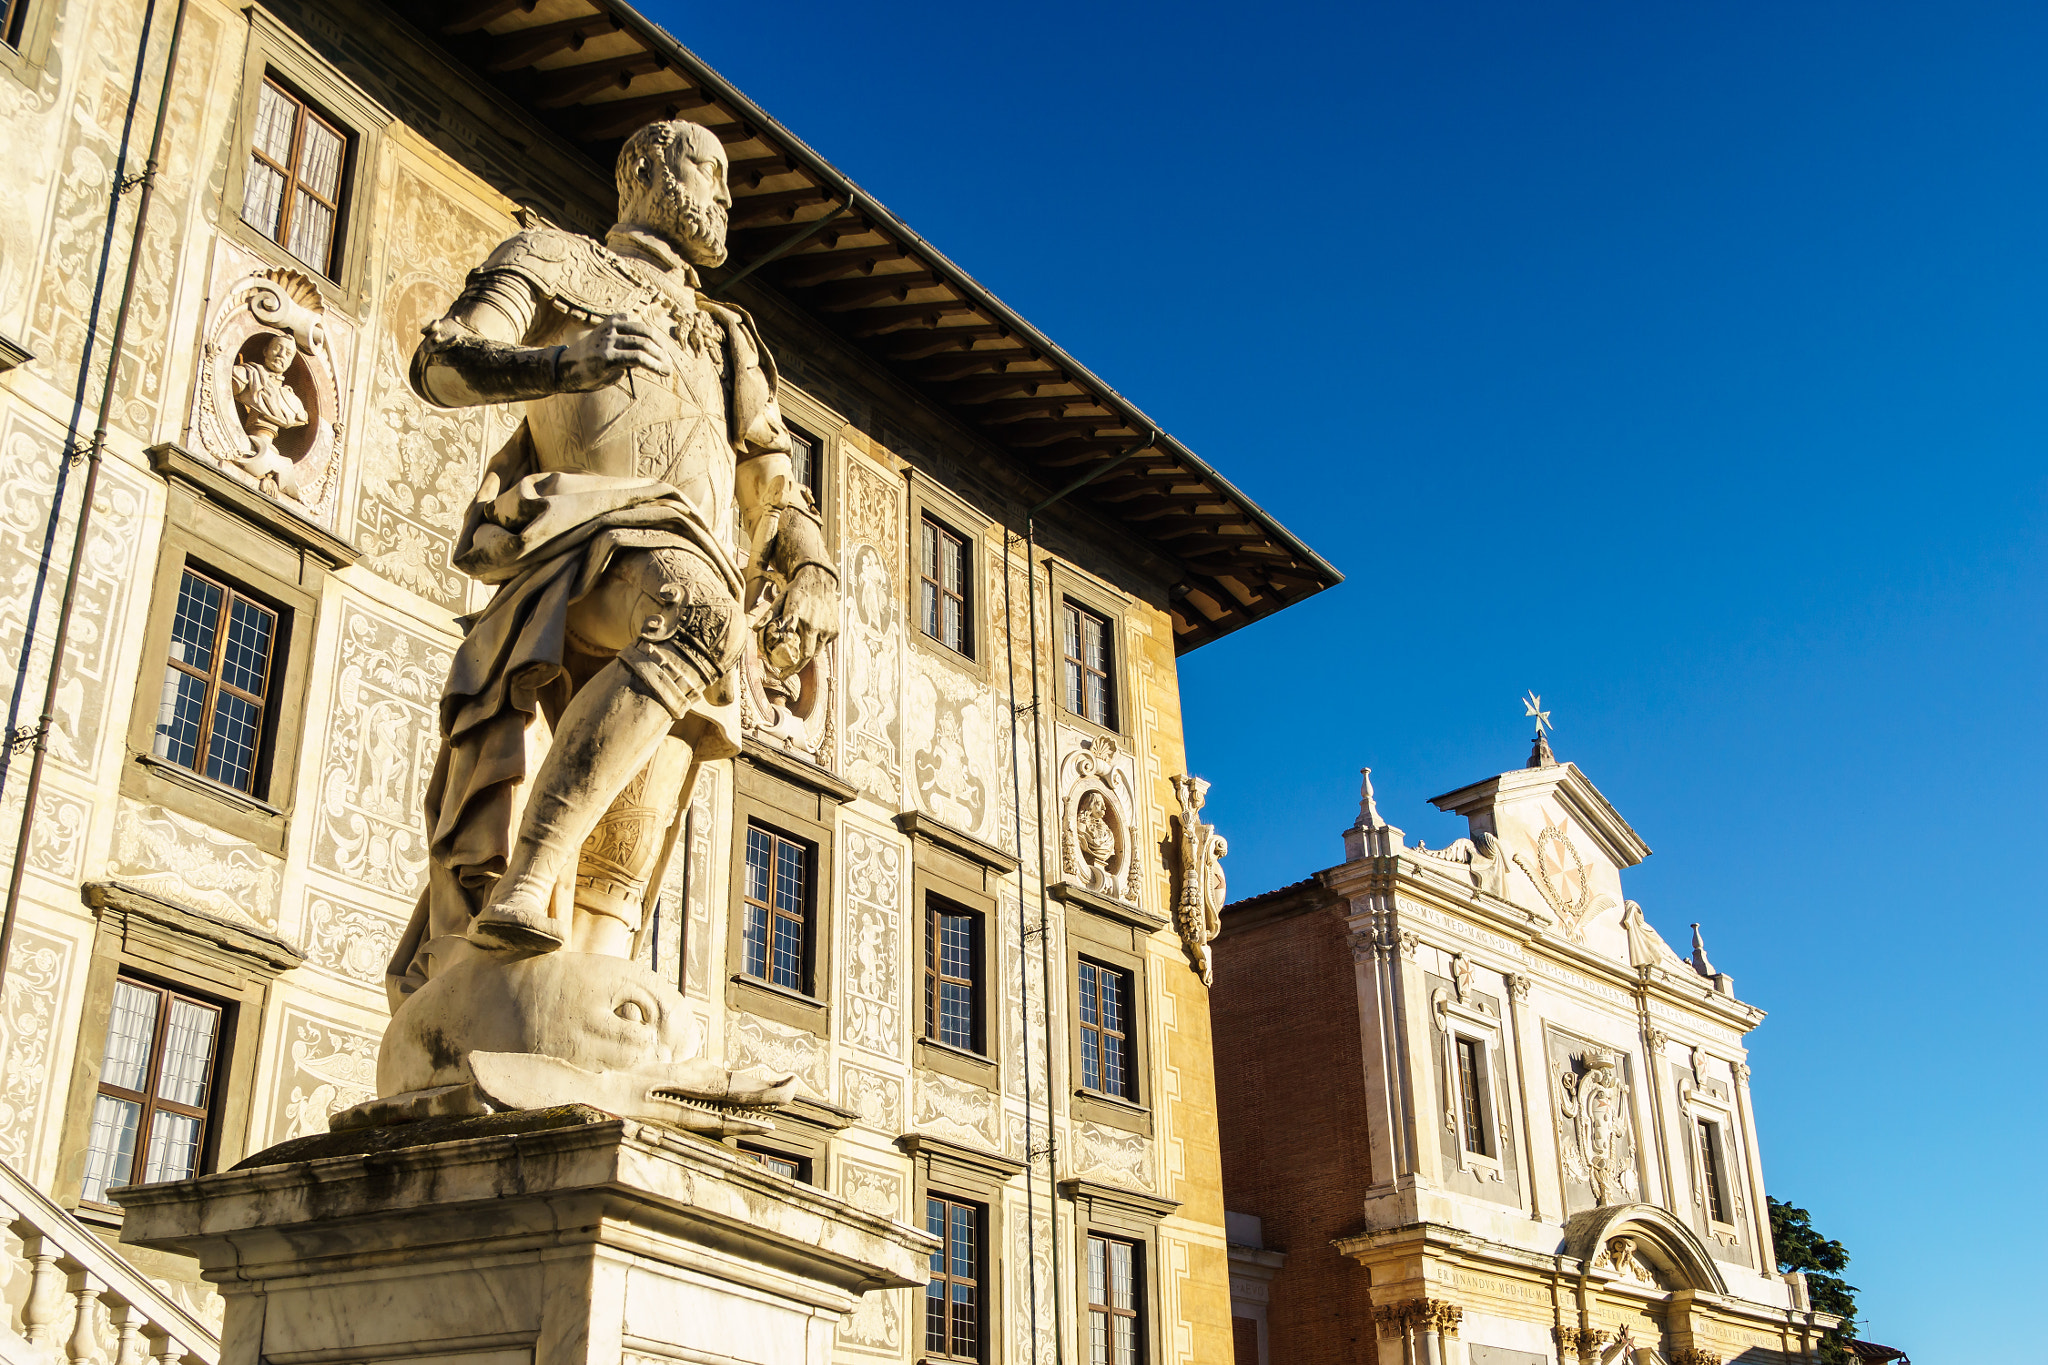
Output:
x,y
1092,1018
1713,1172
1067,584
806,816
276,52
1108,1241
1122,947
1077,669
1116,1212
207,1113
942,540
939,909
215,683
941,876
26,27
200,532
931,501
306,114
166,944
946,1170
1459,1023
951,1207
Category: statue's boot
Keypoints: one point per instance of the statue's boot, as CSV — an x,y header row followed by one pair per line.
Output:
x,y
607,735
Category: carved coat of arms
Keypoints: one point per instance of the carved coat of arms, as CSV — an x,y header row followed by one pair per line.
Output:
x,y
1599,1142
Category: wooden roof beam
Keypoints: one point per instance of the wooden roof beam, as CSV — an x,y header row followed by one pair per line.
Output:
x,y
803,270
971,362
896,288
567,85
939,340
780,207
526,46
875,322
616,118
467,16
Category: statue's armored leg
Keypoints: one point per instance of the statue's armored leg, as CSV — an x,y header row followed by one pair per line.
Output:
x,y
688,636
620,854
605,739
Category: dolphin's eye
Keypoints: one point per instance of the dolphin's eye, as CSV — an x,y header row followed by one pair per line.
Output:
x,y
633,1012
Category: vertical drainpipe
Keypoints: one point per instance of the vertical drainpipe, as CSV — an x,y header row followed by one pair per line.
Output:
x,y
1043,931
97,450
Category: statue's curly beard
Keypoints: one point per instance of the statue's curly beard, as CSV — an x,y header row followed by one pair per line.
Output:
x,y
697,226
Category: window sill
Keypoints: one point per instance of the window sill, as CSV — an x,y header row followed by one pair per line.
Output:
x,y
200,782
1098,1106
959,1063
155,781
770,1001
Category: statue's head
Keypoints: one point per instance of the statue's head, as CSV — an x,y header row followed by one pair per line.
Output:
x,y
672,183
279,352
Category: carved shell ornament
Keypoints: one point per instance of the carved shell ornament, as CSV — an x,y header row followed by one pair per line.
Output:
x,y
1198,908
268,407
1097,829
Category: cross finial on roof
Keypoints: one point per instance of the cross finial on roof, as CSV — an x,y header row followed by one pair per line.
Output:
x,y
1539,752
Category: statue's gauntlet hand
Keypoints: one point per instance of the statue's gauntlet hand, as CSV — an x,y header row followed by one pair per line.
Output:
x,y
806,616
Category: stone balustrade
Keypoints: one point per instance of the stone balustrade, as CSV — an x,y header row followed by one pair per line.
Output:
x,y
70,1299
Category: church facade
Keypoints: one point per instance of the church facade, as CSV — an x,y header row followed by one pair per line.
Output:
x,y
942,883
1475,1109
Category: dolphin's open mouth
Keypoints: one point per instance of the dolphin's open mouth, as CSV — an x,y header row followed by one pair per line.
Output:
x,y
672,1096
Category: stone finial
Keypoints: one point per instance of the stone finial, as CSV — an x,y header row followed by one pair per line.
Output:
x,y
1370,835
1699,956
1539,752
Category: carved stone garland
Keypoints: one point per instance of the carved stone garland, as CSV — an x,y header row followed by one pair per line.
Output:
x,y
269,401
1600,1145
1198,906
1098,837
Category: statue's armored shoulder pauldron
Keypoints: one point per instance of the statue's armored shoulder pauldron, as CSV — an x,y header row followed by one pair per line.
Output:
x,y
576,275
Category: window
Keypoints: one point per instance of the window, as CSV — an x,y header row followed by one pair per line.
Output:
x,y
1088,666
155,1085
13,19
1710,1172
1115,1326
944,589
1471,1085
952,972
216,682
797,1168
292,192
952,1297
778,898
807,462
1105,1041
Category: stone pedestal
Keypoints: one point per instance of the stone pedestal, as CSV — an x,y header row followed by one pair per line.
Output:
x,y
552,1237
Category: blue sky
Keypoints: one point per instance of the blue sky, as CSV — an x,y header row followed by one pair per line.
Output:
x,y
1684,363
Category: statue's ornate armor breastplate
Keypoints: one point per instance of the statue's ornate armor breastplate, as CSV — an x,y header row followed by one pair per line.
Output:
x,y
670,428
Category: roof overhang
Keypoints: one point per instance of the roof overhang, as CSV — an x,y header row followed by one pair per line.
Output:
x,y
592,71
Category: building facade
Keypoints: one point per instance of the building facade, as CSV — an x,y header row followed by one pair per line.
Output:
x,y
956,830
1476,1110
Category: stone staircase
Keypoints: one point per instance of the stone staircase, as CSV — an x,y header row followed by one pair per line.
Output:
x,y
70,1299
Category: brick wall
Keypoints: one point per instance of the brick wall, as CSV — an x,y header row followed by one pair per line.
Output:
x,y
1290,1082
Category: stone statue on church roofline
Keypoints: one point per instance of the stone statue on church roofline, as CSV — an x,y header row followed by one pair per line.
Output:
x,y
621,612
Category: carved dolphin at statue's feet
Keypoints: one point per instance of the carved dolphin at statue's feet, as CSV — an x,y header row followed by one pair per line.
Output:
x,y
493,1033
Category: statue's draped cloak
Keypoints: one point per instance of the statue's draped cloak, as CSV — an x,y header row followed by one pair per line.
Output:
x,y
543,537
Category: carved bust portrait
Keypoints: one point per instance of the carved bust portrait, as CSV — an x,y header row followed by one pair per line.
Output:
x,y
269,405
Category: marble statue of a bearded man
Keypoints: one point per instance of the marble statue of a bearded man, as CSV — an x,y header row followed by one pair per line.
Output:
x,y
624,593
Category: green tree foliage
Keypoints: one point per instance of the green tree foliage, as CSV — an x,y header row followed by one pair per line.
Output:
x,y
1823,1260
